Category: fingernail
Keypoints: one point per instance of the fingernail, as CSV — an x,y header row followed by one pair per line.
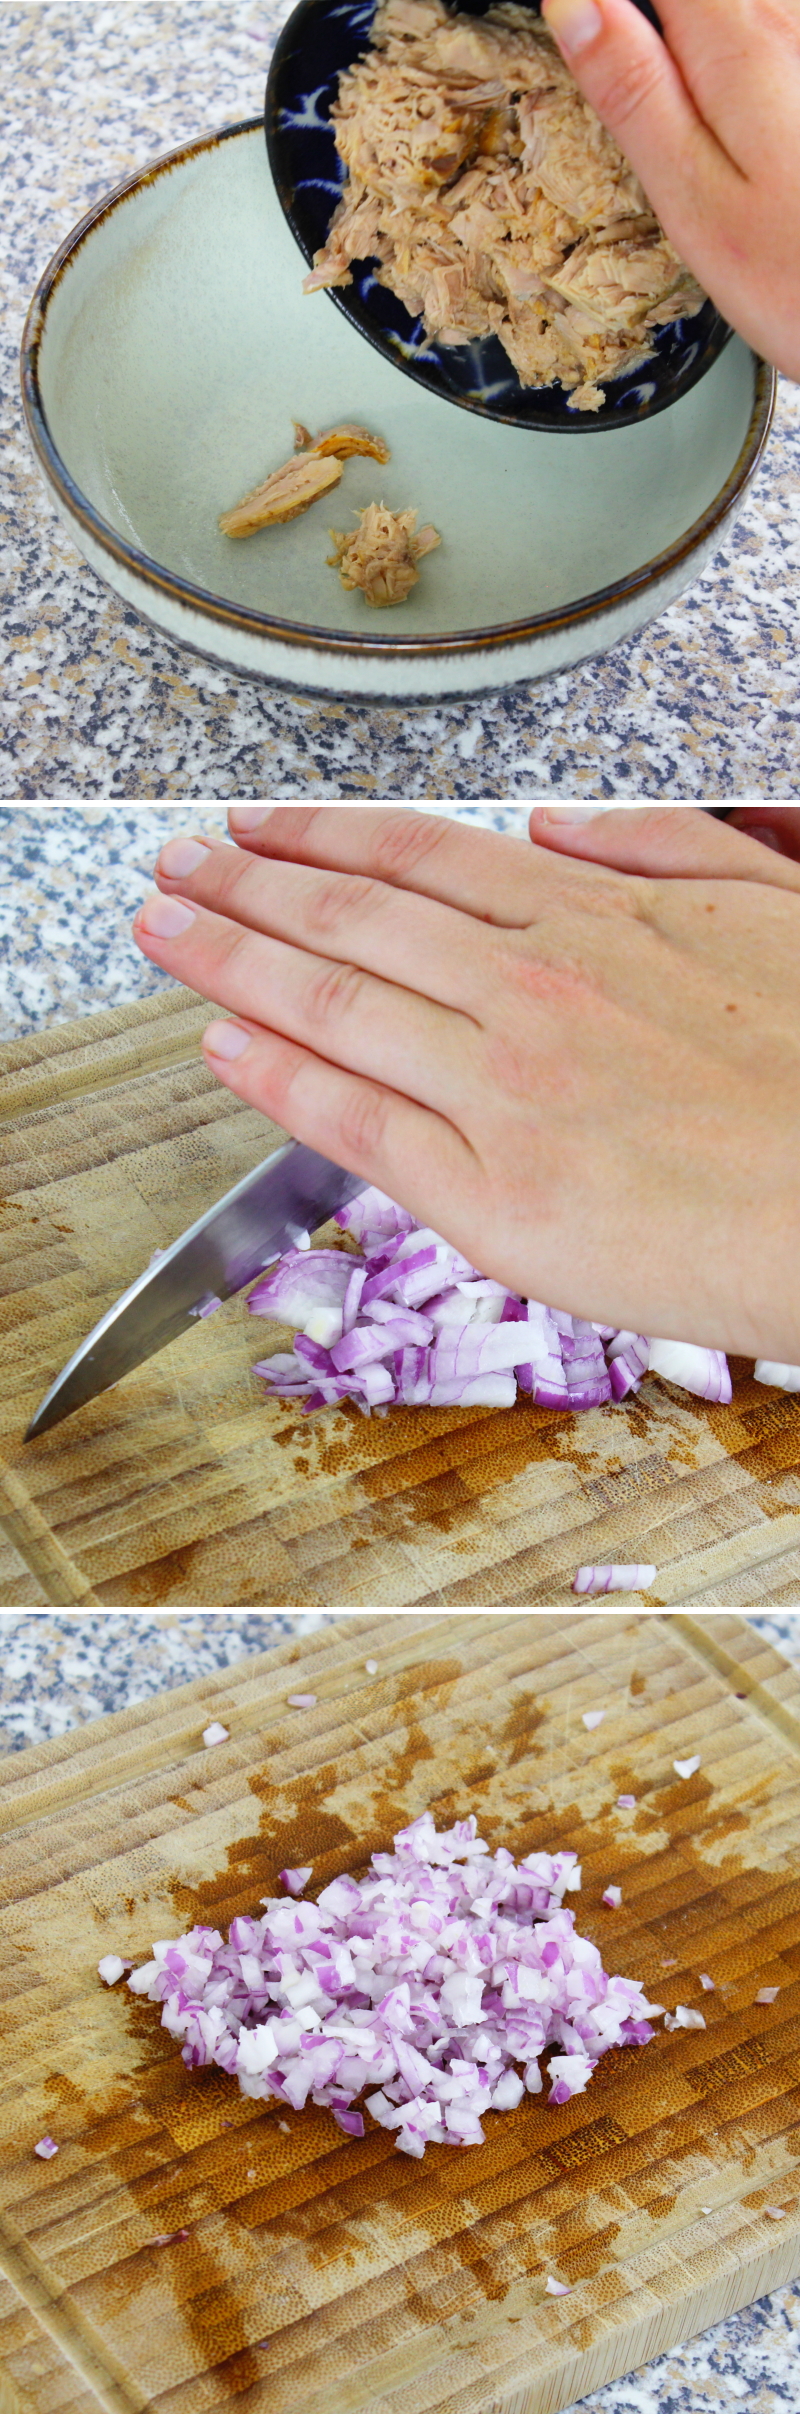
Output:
x,y
575,23
226,1039
563,813
164,917
245,817
181,856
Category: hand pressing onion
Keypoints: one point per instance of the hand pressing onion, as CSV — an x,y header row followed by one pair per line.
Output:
x,y
586,1077
411,1323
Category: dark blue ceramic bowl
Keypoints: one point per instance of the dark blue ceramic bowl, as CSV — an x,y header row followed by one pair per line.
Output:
x,y
320,39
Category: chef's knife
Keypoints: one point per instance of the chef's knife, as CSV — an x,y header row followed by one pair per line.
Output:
x,y
293,1192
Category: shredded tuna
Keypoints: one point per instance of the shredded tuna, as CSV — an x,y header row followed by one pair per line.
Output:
x,y
315,467
381,555
283,496
494,200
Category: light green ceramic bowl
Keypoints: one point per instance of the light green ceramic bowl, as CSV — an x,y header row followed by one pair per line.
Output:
x,y
168,347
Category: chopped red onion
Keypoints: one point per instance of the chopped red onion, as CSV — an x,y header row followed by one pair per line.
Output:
x,y
770,1370
215,1733
295,1879
686,1768
766,1994
437,1981
626,1801
111,1968
207,1306
777,2212
45,2147
302,1701
592,1718
556,2288
612,1579
707,1983
683,2017
411,1323
613,1897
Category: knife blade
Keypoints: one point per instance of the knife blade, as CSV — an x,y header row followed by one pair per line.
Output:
x,y
293,1191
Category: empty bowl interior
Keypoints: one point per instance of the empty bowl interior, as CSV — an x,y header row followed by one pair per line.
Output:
x,y
178,347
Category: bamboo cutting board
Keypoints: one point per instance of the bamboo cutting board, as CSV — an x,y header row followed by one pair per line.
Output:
x,y
189,2251
182,1487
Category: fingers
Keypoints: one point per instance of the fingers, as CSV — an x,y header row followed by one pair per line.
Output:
x,y
776,826
673,842
633,81
417,1157
477,871
348,916
344,1015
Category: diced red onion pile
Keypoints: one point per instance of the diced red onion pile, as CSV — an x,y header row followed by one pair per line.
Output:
x,y
410,1321
428,1981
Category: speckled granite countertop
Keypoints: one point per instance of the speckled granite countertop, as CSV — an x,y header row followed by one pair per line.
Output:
x,y
703,704
71,878
58,1670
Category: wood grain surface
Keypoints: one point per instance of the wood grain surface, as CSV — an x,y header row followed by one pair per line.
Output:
x,y
189,2250
183,1487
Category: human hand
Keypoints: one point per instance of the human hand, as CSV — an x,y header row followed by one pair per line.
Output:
x,y
587,1080
672,842
709,117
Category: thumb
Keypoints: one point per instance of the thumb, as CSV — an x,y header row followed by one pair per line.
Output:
x,y
631,79
674,843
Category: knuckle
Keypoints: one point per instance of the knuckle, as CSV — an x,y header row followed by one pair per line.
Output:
x,y
334,993
627,88
363,1126
236,951
339,899
287,829
663,827
406,840
234,877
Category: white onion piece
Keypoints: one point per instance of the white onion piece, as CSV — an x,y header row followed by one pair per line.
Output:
x,y
777,2212
215,1734
437,1981
111,1968
683,2017
371,1667
766,1994
612,1579
557,2288
686,1768
302,1701
592,1718
707,1983
626,1801
704,1371
770,1370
